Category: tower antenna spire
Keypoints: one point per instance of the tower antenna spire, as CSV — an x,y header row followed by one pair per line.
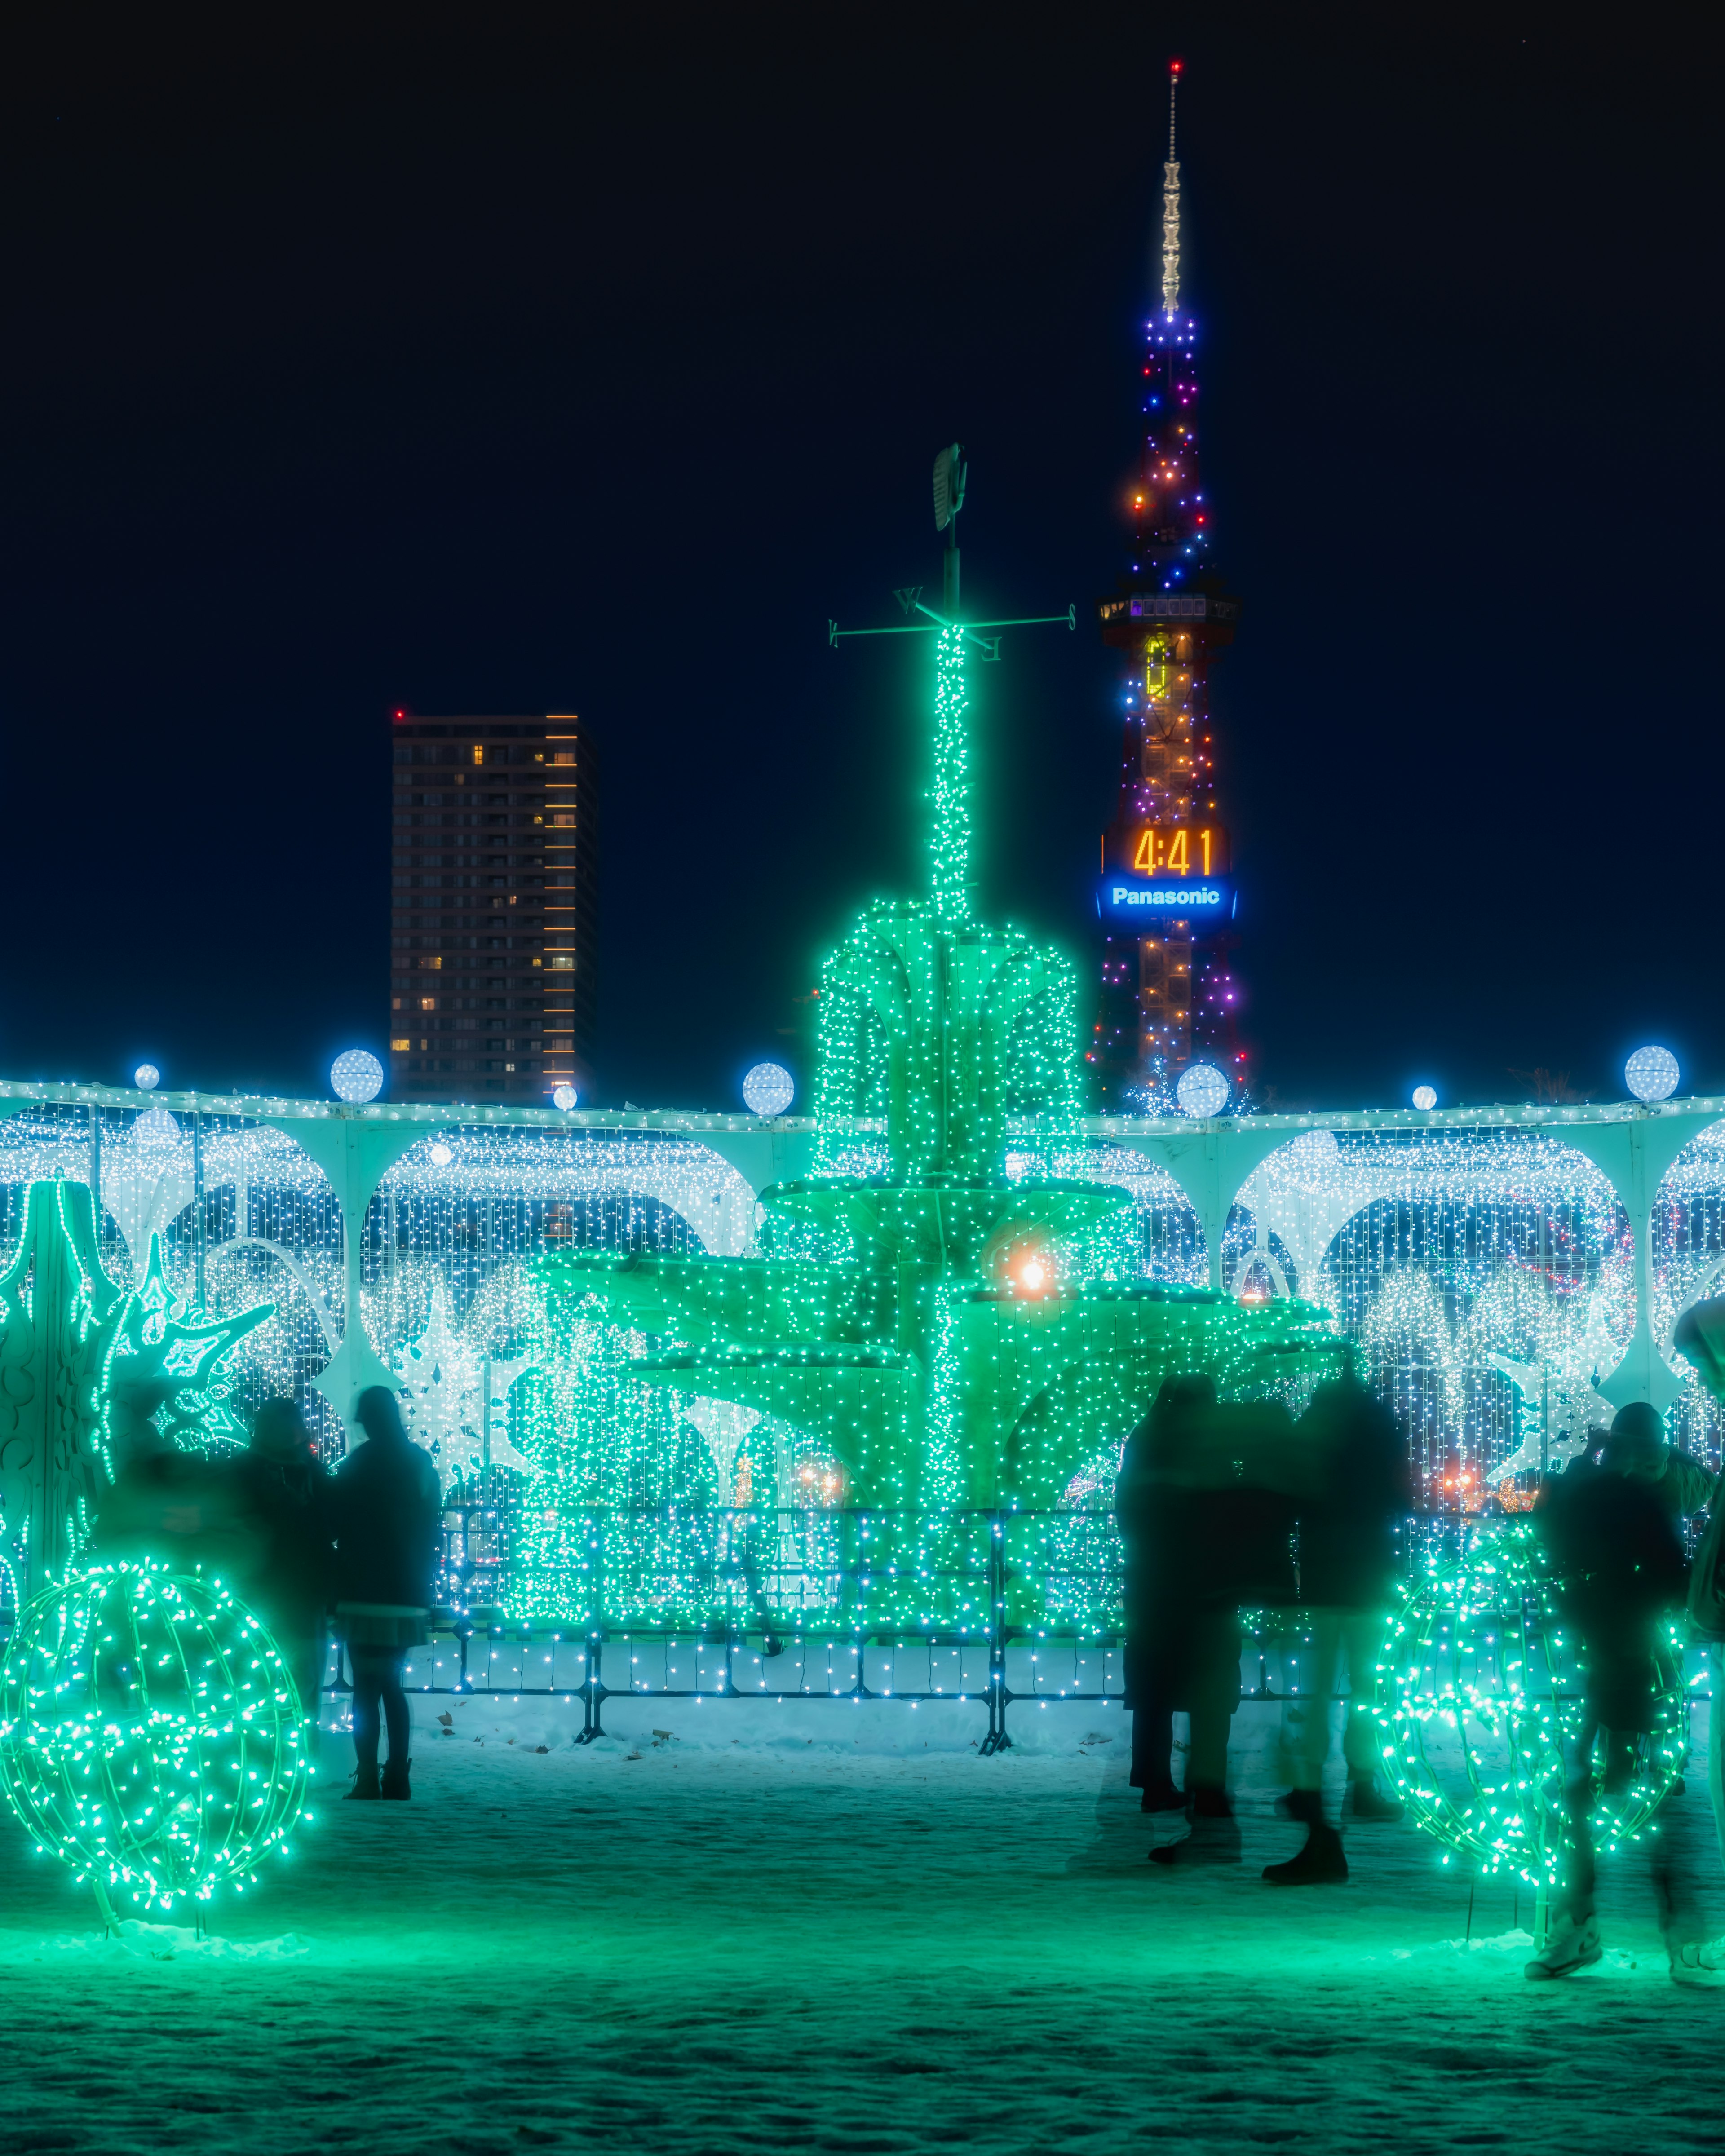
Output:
x,y
1171,206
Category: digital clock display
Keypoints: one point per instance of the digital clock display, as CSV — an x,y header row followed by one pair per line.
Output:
x,y
1179,849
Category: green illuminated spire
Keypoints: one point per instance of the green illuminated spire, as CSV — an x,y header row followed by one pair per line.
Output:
x,y
951,842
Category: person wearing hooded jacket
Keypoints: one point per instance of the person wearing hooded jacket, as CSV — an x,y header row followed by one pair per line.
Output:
x,y
386,1508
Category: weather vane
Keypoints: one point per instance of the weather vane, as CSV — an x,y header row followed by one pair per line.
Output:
x,y
953,883
951,473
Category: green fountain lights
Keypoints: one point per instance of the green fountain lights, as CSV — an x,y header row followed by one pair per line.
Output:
x,y
944,1339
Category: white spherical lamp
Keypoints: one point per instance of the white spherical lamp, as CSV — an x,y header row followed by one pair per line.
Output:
x,y
1651,1073
1314,1150
768,1090
357,1076
1424,1097
1203,1090
146,1077
441,1156
565,1097
156,1129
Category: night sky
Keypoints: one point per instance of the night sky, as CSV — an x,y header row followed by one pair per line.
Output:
x,y
489,361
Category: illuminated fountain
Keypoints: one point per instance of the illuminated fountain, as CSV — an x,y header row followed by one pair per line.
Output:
x,y
957,1340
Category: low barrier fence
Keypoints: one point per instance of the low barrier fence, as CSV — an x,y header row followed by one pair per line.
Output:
x,y
994,1609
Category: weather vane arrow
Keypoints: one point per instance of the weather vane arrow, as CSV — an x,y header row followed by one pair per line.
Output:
x,y
951,473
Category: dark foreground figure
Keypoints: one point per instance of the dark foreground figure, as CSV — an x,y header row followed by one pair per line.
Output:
x,y
1612,1536
385,1514
1701,1337
1353,1465
284,1493
1206,1530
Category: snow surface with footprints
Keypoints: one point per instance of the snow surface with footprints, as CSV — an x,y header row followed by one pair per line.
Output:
x,y
732,1926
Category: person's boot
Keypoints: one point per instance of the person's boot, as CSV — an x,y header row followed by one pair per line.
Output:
x,y
365,1780
395,1779
1689,1967
1162,1797
1214,1838
1368,1802
1320,1862
1568,1946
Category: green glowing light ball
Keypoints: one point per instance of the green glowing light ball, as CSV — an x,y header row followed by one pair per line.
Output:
x,y
150,1735
1479,1701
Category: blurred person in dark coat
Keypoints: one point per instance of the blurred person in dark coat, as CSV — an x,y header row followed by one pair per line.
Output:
x,y
285,1494
1700,1336
1359,1492
1613,1541
167,1507
1206,1530
1682,1484
385,1509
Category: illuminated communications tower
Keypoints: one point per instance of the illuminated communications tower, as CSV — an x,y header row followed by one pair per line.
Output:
x,y
1165,897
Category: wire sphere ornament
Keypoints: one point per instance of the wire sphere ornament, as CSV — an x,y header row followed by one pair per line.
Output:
x,y
357,1076
1203,1090
768,1090
150,1734
1651,1073
1480,1703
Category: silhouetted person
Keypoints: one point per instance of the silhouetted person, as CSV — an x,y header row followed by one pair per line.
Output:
x,y
1682,1484
286,1494
1206,1531
1359,1490
1141,1498
1700,1336
1613,1544
173,1508
385,1515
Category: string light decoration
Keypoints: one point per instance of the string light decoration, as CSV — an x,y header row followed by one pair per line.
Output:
x,y
1490,1274
953,1333
953,880
1487,1275
150,1735
1480,1702
71,1341
1169,995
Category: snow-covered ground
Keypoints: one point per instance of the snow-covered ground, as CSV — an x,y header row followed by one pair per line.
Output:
x,y
737,1925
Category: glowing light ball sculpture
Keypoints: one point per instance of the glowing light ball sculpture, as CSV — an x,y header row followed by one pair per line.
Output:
x,y
1203,1090
1651,1073
768,1090
150,1735
1425,1098
1480,1699
357,1076
565,1097
146,1077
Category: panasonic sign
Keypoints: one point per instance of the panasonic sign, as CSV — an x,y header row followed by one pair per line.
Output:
x,y
1133,901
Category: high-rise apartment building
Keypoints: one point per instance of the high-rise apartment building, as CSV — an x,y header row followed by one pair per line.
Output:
x,y
494,908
